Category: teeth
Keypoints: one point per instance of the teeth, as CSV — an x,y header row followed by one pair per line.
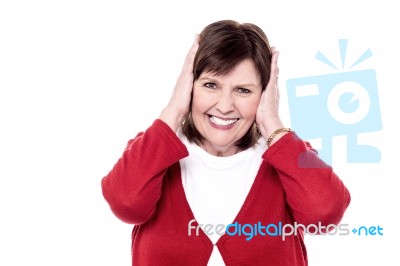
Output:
x,y
221,122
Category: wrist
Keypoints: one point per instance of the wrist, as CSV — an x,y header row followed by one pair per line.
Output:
x,y
269,127
273,130
171,117
277,134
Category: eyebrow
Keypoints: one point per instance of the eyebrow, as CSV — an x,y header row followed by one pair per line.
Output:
x,y
213,80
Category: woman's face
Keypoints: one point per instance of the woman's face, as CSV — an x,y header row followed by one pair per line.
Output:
x,y
224,107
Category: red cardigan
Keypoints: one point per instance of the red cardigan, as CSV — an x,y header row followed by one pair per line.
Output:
x,y
293,185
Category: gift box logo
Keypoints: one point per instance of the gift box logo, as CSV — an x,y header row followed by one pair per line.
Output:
x,y
344,103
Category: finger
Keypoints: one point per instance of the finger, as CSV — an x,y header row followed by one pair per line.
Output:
x,y
188,66
195,46
274,72
278,96
274,66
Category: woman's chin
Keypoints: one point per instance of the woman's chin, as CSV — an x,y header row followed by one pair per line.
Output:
x,y
221,147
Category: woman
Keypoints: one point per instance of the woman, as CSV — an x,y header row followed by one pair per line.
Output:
x,y
219,157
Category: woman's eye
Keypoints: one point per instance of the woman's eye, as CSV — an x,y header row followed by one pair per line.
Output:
x,y
243,90
210,85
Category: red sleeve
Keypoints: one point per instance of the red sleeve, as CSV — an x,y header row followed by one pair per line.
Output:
x,y
314,192
133,186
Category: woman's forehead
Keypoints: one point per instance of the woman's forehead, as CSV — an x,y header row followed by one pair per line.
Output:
x,y
244,72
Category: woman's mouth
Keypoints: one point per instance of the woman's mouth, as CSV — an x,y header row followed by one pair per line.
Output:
x,y
222,122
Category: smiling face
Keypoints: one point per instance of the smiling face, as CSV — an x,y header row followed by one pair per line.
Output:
x,y
224,107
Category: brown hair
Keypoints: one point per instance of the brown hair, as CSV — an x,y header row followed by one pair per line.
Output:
x,y
223,45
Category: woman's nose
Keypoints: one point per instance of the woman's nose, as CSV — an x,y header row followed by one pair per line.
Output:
x,y
225,103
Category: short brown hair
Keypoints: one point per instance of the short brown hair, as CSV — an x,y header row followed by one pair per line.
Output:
x,y
223,45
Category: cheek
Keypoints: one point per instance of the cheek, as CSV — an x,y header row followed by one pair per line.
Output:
x,y
248,107
200,101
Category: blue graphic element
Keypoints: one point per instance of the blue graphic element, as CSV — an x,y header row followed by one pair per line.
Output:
x,y
343,50
344,103
368,231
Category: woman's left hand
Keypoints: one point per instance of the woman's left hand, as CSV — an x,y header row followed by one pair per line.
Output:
x,y
267,116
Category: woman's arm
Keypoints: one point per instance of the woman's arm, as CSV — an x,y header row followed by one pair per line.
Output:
x,y
314,192
133,186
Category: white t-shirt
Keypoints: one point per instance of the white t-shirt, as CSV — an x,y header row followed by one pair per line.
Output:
x,y
216,187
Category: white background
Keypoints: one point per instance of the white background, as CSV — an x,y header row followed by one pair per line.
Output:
x,y
78,78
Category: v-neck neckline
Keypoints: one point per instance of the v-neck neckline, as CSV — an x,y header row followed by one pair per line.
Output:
x,y
188,213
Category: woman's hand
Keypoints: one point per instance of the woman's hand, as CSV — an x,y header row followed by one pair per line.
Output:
x,y
267,116
178,105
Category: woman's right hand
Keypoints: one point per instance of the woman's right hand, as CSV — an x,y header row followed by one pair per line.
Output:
x,y
178,105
